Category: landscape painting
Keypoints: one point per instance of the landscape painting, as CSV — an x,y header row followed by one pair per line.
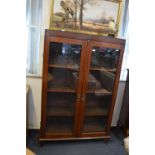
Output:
x,y
98,16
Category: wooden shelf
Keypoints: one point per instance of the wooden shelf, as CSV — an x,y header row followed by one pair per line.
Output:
x,y
59,125
67,66
102,69
61,89
96,111
60,111
68,111
94,125
100,92
67,89
56,128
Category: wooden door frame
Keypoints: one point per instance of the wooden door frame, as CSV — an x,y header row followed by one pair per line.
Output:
x,y
47,41
44,86
90,45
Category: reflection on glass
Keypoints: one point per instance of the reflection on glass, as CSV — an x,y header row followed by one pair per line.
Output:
x,y
104,57
65,54
100,82
60,78
59,125
61,104
99,88
94,124
63,76
64,61
98,100
96,112
60,113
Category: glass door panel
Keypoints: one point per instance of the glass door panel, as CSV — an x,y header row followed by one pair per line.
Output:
x,y
64,65
60,112
63,79
104,58
100,83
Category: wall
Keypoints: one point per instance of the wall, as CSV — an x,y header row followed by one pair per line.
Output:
x,y
36,83
34,102
118,103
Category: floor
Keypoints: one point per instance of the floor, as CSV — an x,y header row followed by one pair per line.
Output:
x,y
85,147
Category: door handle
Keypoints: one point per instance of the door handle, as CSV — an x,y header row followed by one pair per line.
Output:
x,y
78,96
83,98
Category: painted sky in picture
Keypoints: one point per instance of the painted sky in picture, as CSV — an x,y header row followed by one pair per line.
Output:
x,y
102,8
57,6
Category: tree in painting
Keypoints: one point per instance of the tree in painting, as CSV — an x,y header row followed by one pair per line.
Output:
x,y
82,7
68,11
72,7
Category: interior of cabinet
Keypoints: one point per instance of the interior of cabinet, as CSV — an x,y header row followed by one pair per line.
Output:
x,y
60,80
94,124
65,55
60,112
100,84
96,113
61,104
103,57
59,125
97,106
63,62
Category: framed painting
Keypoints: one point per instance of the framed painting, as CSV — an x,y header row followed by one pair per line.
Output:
x,y
88,16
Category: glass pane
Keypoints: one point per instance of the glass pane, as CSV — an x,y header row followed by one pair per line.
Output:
x,y
94,124
65,54
64,62
104,57
99,88
59,125
96,112
60,113
63,76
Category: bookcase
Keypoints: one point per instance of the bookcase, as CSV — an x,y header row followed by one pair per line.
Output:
x,y
79,87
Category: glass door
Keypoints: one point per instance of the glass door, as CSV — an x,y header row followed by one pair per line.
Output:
x,y
63,89
98,92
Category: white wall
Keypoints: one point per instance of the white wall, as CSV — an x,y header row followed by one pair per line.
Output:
x,y
118,103
34,82
34,102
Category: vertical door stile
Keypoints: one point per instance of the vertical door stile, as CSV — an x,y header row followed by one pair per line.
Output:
x,y
79,90
44,84
86,65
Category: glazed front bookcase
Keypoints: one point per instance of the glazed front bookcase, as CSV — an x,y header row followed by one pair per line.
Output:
x,y
80,80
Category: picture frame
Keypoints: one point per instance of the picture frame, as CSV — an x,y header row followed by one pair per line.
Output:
x,y
100,17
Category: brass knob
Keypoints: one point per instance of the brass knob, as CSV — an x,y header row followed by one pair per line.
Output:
x,y
83,98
